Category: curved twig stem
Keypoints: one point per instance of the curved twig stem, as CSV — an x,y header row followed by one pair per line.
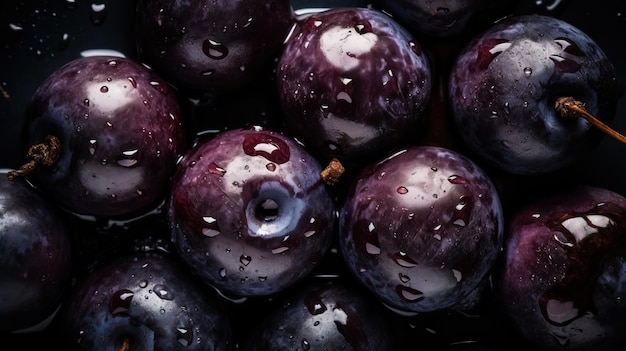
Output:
x,y
567,106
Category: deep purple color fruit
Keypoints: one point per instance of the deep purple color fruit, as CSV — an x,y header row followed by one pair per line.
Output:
x,y
148,300
218,45
504,85
323,315
422,229
120,130
249,212
562,279
357,79
35,256
445,18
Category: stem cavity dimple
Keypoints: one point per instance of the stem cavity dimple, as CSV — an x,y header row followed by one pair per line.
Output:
x,y
567,106
45,153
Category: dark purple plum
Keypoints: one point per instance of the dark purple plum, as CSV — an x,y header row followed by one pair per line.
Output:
x,y
35,256
250,212
143,301
422,229
107,132
323,314
562,277
504,86
212,46
445,18
356,78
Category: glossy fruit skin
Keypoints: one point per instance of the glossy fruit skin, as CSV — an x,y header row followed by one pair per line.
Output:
x,y
202,45
221,225
35,256
323,314
121,132
358,79
504,84
149,298
422,229
561,281
444,18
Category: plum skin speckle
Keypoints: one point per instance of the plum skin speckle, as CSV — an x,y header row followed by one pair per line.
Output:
x,y
249,212
422,229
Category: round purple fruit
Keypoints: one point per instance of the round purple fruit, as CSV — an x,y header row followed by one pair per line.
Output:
x,y
422,229
35,256
506,84
356,78
250,212
562,278
104,135
144,301
213,46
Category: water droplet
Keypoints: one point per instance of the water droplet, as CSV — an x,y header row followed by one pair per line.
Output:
x,y
402,190
184,336
132,81
222,272
271,167
120,301
211,229
528,71
305,345
404,278
489,50
215,169
97,13
279,250
272,148
245,260
214,49
104,89
401,259
208,72
143,283
315,305
162,292
409,294
128,158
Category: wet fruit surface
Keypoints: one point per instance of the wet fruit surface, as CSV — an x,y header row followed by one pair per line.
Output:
x,y
250,213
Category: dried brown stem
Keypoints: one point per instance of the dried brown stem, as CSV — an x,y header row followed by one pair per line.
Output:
x,y
125,345
332,172
567,106
45,153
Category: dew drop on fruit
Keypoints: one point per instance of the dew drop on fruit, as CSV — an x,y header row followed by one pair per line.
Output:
x,y
409,294
271,167
314,305
104,89
402,190
132,81
97,13
93,144
143,283
184,336
273,149
162,292
401,259
214,49
528,71
120,301
306,345
404,278
222,272
211,229
279,250
245,260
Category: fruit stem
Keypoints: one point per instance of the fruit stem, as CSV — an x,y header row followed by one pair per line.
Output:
x,y
332,172
45,153
125,345
567,106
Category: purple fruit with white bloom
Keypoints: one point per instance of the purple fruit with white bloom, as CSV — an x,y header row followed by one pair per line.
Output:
x,y
249,211
563,277
356,78
422,229
504,85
